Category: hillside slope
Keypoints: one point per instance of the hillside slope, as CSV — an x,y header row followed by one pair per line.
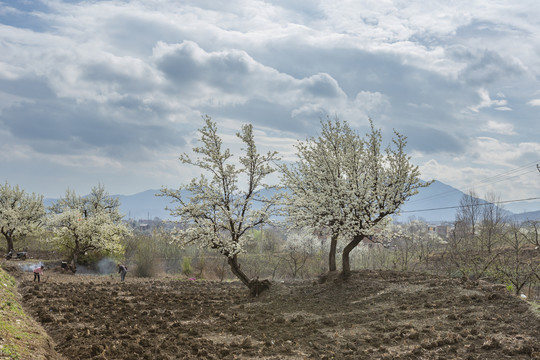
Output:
x,y
21,337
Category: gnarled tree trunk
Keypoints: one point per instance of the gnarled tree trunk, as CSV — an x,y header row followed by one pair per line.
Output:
x,y
9,239
346,271
255,286
235,268
75,256
73,266
332,254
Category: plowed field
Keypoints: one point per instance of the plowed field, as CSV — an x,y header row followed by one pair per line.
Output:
x,y
373,315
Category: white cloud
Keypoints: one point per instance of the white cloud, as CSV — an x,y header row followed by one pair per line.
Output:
x,y
500,128
370,101
534,102
445,172
486,101
127,82
236,78
495,152
420,106
508,181
489,165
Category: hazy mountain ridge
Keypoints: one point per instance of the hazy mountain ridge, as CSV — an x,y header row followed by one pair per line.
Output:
x,y
531,215
435,203
140,206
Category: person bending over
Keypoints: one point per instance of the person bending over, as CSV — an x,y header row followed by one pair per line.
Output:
x,y
37,272
122,270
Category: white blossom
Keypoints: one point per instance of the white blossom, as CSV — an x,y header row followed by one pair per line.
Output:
x,y
20,213
220,208
346,183
91,223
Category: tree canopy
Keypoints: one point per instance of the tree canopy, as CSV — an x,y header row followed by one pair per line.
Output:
x,y
348,183
87,223
20,213
218,209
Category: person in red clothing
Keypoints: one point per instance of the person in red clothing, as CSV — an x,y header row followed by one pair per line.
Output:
x,y
37,272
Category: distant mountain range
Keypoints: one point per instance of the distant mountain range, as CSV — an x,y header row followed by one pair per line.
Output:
x,y
145,205
141,206
435,203
439,202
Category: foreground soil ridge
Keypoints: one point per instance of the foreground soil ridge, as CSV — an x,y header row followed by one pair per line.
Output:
x,y
21,337
371,315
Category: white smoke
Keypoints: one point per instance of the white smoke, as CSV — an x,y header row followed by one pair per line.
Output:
x,y
106,266
29,266
103,266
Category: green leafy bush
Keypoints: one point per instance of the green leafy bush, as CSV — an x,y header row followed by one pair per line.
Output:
x,y
186,266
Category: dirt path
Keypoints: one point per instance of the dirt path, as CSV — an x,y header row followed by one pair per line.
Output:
x,y
374,315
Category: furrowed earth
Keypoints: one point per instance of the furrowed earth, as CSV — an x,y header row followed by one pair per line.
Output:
x,y
372,315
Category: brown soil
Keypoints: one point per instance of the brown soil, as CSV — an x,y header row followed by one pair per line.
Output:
x,y
372,315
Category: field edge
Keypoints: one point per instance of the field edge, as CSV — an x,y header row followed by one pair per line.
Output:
x,y
21,336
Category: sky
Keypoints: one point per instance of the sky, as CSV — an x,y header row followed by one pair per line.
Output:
x,y
112,92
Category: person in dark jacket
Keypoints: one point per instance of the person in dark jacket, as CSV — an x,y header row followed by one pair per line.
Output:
x,y
122,270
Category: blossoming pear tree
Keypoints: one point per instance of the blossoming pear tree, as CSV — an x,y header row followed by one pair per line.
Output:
x,y
348,184
219,211
20,213
87,223
313,182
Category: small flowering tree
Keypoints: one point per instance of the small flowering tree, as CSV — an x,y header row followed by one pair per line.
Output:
x,y
298,249
91,223
314,180
217,213
349,184
20,213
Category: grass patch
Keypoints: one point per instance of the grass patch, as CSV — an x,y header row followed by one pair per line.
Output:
x,y
535,307
11,318
20,336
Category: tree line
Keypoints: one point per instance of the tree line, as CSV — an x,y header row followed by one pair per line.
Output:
x,y
343,186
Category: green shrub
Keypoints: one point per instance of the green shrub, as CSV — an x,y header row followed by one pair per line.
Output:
x,y
186,266
145,258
